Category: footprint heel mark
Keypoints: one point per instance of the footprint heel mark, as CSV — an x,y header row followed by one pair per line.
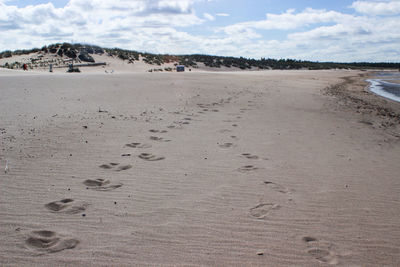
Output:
x,y
247,168
250,156
66,206
45,241
262,210
277,187
150,157
101,185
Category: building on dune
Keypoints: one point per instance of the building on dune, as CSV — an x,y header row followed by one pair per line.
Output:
x,y
180,68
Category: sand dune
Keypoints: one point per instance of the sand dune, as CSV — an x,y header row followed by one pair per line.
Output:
x,y
195,169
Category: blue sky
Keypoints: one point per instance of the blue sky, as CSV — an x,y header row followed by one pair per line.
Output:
x,y
342,30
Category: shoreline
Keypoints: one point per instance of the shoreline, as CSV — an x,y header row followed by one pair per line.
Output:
x,y
354,92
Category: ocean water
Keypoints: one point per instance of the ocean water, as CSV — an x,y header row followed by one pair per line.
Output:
x,y
384,86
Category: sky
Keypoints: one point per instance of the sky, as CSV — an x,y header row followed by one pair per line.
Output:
x,y
317,30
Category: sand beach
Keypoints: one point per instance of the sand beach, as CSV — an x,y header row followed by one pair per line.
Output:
x,y
202,168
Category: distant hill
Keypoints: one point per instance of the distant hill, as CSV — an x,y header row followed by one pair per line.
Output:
x,y
83,53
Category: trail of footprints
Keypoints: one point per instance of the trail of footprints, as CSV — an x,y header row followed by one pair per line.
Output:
x,y
45,241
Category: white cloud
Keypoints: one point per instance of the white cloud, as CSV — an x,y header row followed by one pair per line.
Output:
x,y
209,16
163,26
322,35
377,8
291,20
91,21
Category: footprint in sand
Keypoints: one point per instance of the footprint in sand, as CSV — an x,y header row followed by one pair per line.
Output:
x,y
45,241
159,139
277,187
138,145
249,156
157,131
323,255
112,165
108,166
124,167
247,168
66,206
261,211
179,124
321,252
309,239
101,184
150,157
226,145
174,127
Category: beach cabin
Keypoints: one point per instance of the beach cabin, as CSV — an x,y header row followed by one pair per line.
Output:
x,y
180,68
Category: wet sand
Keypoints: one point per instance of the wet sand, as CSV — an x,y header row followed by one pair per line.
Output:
x,y
216,169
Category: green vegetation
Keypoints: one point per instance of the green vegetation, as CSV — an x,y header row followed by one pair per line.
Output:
x,y
83,52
